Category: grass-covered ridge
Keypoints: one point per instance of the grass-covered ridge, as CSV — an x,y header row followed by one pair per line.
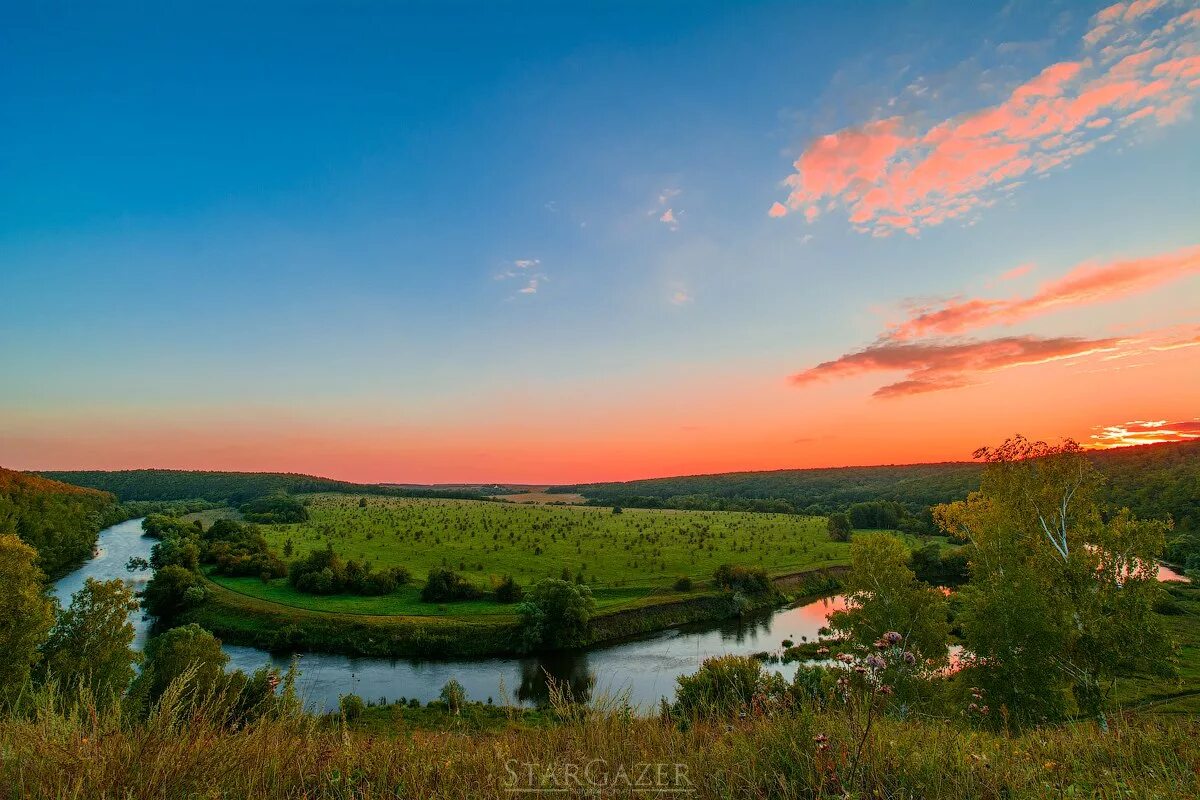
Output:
x,y
624,557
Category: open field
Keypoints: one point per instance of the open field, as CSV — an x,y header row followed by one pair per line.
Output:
x,y
542,497
627,558
211,515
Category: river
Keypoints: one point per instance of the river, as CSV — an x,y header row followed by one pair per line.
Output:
x,y
642,668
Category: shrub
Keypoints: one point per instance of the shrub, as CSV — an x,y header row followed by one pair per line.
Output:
x,y
188,650
274,509
751,580
169,592
683,584
324,572
446,584
723,686
509,591
238,549
453,695
352,707
839,527
556,613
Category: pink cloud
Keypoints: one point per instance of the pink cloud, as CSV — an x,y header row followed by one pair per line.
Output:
x,y
897,175
1084,285
1019,271
940,365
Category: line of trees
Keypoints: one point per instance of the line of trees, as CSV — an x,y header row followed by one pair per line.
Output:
x,y
232,488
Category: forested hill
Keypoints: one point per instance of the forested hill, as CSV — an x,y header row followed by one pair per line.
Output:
x,y
1153,480
233,488
61,521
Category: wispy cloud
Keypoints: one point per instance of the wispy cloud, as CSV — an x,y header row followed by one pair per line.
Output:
x,y
1138,63
1013,274
1086,284
939,365
528,270
665,211
1126,434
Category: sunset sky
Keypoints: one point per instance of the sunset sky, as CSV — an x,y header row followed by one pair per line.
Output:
x,y
563,242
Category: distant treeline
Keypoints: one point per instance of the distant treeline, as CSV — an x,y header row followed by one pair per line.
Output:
x,y
232,488
807,491
1155,481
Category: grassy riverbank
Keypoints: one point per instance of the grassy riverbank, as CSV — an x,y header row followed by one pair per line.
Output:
x,y
245,619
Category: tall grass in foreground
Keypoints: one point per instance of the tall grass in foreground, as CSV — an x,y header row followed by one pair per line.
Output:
x,y
186,750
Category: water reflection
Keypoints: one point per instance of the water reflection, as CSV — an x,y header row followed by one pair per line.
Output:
x,y
1165,573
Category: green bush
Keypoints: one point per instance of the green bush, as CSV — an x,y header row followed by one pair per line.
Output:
x,y
556,613
324,572
509,591
683,584
446,584
167,593
751,580
274,509
454,696
723,686
839,527
352,707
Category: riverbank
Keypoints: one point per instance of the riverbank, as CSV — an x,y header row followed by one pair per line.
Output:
x,y
240,619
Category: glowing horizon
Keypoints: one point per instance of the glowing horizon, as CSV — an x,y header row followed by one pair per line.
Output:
x,y
390,246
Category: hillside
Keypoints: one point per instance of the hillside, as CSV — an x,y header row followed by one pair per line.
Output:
x,y
1154,480
228,487
58,519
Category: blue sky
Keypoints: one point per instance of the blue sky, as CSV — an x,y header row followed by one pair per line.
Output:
x,y
227,226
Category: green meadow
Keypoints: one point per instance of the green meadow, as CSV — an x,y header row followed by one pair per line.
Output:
x,y
626,558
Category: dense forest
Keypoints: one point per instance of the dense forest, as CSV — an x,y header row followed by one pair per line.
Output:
x,y
233,488
1155,481
59,520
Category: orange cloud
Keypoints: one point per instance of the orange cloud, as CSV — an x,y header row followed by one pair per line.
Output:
x,y
935,366
892,175
1086,284
1137,432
